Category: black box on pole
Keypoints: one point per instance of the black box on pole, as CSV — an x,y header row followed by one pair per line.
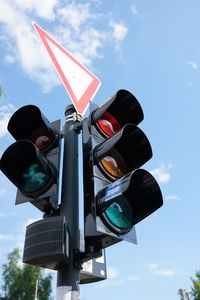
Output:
x,y
47,243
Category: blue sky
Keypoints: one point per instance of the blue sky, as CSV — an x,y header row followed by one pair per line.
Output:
x,y
151,48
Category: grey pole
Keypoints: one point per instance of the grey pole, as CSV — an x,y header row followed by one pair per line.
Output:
x,y
68,277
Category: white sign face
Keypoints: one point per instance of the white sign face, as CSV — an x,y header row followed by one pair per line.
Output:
x,y
80,83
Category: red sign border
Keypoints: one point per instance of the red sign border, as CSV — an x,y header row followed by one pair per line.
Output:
x,y
81,104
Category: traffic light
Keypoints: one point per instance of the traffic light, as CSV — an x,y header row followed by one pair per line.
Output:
x,y
32,162
117,194
32,165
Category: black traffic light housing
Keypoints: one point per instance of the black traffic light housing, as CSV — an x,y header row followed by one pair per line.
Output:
x,y
32,162
139,190
129,144
22,159
123,106
32,165
117,195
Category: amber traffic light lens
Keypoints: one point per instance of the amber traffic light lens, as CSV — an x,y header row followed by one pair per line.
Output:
x,y
113,164
108,124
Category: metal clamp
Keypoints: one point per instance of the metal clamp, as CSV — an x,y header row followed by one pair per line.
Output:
x,y
75,117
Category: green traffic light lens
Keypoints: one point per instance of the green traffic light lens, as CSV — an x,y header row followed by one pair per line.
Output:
x,y
119,215
34,178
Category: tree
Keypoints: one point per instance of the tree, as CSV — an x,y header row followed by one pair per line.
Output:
x,y
1,91
184,294
196,286
19,283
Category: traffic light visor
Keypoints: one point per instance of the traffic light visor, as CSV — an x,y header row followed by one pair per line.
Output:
x,y
122,153
129,200
144,194
122,108
29,123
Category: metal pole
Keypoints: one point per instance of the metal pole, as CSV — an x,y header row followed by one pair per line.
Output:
x,y
68,277
36,289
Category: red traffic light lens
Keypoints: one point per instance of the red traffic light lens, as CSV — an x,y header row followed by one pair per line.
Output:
x,y
42,138
113,164
108,124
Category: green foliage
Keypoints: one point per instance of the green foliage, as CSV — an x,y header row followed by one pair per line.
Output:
x,y
196,286
20,282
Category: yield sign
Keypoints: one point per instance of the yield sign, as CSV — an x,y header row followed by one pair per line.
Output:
x,y
79,82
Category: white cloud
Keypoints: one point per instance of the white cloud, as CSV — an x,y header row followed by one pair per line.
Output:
x,y
76,15
96,2
2,191
6,111
159,271
112,273
112,279
162,174
134,10
165,272
28,222
23,44
119,30
44,9
193,64
3,251
173,197
7,237
133,278
2,215
9,59
76,28
189,84
152,266
19,238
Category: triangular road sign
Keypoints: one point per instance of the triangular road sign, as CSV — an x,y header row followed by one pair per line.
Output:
x,y
79,82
